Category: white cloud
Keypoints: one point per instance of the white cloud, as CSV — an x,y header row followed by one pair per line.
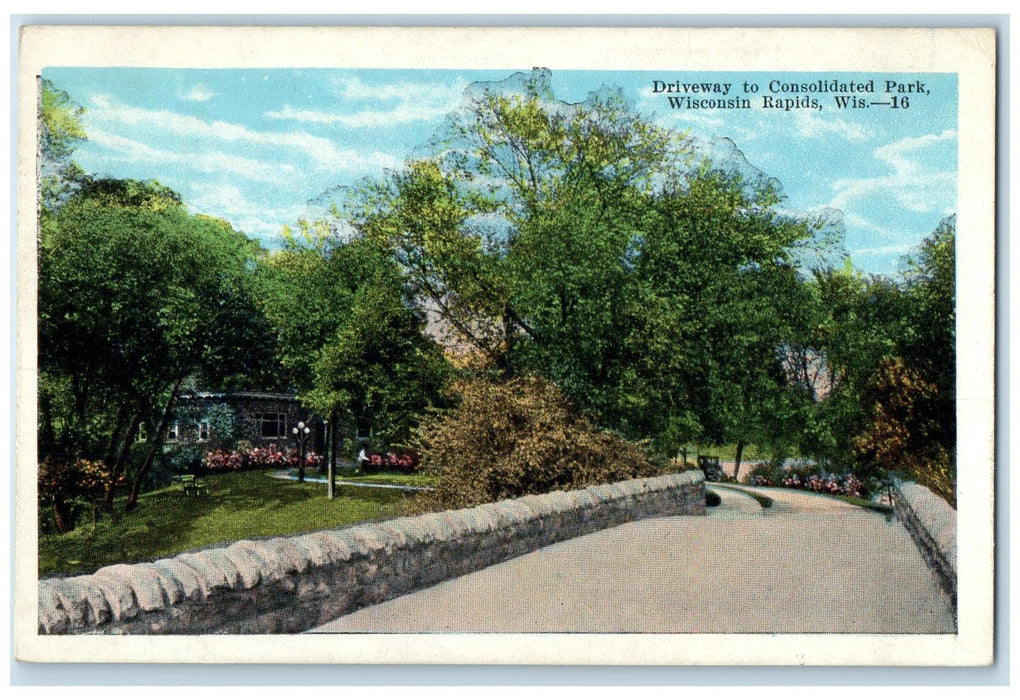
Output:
x,y
708,119
169,123
897,250
227,201
322,151
812,125
199,93
898,154
410,92
129,150
915,183
413,102
401,114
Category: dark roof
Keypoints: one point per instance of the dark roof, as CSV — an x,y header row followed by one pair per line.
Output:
x,y
269,396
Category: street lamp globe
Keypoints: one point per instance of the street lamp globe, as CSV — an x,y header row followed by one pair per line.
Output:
x,y
300,433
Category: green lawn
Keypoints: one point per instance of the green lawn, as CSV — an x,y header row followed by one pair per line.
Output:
x,y
237,506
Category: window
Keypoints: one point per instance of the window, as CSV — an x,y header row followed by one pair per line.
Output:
x,y
273,425
204,430
174,432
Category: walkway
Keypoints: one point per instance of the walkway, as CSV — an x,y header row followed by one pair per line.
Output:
x,y
808,564
286,475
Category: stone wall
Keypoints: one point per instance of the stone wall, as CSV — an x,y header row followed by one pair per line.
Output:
x,y
931,522
292,584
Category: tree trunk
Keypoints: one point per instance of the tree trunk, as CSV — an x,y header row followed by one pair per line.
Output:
x,y
740,453
63,516
110,454
117,468
47,435
334,418
156,441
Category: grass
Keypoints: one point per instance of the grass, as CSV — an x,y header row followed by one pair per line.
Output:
x,y
392,478
238,506
386,478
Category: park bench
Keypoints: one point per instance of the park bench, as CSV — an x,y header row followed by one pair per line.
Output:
x,y
190,484
710,467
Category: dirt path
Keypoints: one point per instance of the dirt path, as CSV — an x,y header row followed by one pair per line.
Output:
x,y
809,564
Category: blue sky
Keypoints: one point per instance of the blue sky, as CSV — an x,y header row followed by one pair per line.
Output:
x,y
255,146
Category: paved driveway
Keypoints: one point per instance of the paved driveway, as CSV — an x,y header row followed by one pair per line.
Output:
x,y
809,564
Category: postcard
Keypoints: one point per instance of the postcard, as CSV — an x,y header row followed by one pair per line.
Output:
x,y
491,345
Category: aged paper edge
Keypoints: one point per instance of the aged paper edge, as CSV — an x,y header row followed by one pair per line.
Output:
x,y
970,53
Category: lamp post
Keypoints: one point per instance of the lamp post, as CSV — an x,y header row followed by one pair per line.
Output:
x,y
301,434
330,458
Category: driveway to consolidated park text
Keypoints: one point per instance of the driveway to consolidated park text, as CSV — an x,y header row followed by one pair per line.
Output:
x,y
808,564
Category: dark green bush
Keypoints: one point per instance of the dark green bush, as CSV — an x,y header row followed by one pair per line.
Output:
x,y
510,439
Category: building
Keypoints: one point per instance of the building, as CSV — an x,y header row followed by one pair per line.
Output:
x,y
223,419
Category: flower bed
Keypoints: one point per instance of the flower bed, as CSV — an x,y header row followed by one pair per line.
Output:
x,y
406,463
268,457
847,485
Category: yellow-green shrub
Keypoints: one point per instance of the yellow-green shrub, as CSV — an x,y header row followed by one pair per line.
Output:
x,y
519,437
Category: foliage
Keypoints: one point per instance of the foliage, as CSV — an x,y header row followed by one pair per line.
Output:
x,y
582,243
889,349
509,439
175,460
305,292
60,133
69,486
349,337
379,366
135,296
903,433
223,419
858,321
930,344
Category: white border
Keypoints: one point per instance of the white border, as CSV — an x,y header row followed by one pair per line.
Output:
x,y
969,53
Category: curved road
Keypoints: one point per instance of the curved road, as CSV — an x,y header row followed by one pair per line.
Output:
x,y
808,564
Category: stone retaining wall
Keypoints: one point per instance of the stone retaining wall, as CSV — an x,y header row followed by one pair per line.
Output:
x,y
931,522
292,584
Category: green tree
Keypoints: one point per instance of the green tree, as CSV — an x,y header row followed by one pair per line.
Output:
x,y
717,278
859,322
902,435
348,335
929,345
60,133
379,367
910,400
517,232
582,243
134,295
306,292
